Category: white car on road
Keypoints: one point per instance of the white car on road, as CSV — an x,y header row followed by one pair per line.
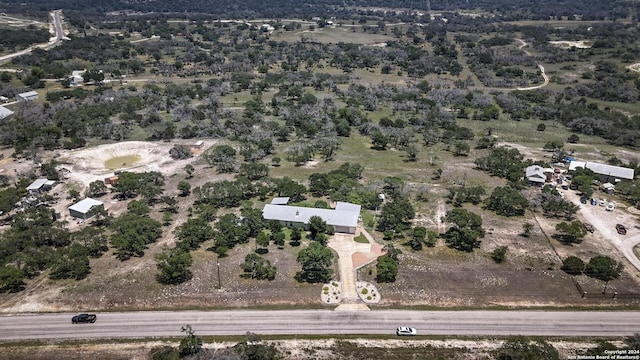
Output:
x,y
406,331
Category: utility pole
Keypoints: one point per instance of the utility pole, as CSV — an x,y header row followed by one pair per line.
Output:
x,y
218,265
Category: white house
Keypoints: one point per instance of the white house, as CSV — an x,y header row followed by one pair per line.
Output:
x,y
537,175
344,218
27,96
82,208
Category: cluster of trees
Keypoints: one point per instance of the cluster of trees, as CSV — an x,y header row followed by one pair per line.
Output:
x,y
13,39
173,264
466,231
600,267
191,346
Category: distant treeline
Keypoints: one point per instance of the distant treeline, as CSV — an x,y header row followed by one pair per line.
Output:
x,y
512,9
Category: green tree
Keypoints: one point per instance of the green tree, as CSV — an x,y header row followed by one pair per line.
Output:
x,y
418,235
466,229
526,229
184,187
521,348
316,261
572,265
132,233
386,269
96,189
71,262
633,341
396,215
499,254
173,266
603,268
257,267
317,226
262,240
190,344
379,141
571,233
193,232
278,238
461,148
11,279
503,162
506,201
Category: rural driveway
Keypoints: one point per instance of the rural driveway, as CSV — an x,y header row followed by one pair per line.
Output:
x,y
604,223
140,324
345,246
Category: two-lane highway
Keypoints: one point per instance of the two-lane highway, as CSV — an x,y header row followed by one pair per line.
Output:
x,y
323,322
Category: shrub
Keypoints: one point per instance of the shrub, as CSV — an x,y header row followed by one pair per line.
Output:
x,y
364,291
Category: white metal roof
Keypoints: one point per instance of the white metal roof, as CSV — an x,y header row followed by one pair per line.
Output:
x,y
4,112
83,206
303,214
28,94
345,206
280,200
36,185
603,169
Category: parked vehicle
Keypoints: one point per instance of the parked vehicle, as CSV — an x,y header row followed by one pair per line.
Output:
x,y
406,331
83,318
603,202
565,187
594,201
621,229
583,200
610,206
588,227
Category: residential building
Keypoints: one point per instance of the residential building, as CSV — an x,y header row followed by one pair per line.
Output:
x,y
537,175
344,218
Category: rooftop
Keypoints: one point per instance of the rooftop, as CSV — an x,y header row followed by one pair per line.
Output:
x,y
83,206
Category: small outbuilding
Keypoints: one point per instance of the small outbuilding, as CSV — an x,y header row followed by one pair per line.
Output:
x,y
82,208
27,96
5,113
40,185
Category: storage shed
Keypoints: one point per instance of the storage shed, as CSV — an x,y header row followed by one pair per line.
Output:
x,y
82,208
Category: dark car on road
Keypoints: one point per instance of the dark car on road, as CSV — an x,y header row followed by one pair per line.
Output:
x,y
621,229
83,318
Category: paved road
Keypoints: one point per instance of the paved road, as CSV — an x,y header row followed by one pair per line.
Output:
x,y
238,322
55,41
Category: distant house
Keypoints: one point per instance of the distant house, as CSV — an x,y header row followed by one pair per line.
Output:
x,y
82,208
76,77
537,175
112,180
611,173
40,185
5,113
344,218
27,96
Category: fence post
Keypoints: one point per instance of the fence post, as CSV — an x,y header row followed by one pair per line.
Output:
x,y
615,294
584,294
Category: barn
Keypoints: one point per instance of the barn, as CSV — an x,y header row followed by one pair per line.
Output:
x,y
82,208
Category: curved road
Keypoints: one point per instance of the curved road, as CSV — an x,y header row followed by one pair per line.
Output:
x,y
325,322
56,17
